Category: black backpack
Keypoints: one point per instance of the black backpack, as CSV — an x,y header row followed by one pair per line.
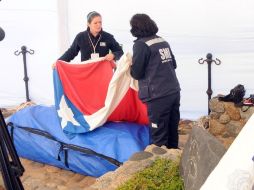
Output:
x,y
236,95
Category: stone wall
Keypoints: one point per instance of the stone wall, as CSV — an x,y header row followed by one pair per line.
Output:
x,y
227,120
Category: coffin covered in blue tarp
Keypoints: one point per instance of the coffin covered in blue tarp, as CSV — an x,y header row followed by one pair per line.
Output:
x,y
38,136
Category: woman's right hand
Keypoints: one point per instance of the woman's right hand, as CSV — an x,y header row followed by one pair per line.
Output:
x,y
53,65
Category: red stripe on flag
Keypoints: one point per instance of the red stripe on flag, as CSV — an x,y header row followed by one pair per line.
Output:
x,y
86,85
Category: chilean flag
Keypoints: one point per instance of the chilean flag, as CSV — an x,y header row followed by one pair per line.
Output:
x,y
89,94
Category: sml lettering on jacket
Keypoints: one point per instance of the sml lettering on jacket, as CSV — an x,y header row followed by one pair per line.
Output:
x,y
165,55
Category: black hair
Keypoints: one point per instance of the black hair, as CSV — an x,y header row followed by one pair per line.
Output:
x,y
142,26
91,15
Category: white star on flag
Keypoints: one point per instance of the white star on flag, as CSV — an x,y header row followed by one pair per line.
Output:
x,y
66,114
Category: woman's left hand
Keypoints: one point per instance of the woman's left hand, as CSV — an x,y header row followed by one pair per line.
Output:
x,y
109,57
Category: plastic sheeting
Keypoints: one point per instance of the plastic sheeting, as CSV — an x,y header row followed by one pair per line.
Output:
x,y
38,136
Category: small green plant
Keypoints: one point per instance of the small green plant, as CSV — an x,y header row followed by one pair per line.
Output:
x,y
163,174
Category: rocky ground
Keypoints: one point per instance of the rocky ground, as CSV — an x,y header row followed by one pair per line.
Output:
x,y
39,176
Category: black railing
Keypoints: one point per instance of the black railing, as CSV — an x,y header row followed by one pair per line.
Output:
x,y
209,62
26,79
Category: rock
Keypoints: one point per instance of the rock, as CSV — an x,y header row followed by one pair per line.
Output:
x,y
182,140
202,122
158,151
216,128
228,141
246,112
232,111
184,127
201,154
185,122
140,156
216,106
224,118
233,128
214,115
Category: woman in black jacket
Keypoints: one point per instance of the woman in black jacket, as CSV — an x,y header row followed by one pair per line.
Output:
x,y
153,65
94,42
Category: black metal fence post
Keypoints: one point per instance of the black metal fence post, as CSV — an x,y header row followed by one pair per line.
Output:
x,y
26,79
209,62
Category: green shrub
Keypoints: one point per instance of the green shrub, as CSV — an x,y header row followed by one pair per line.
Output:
x,y
163,174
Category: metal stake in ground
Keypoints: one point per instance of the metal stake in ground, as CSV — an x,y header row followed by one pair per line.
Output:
x,y
24,51
209,62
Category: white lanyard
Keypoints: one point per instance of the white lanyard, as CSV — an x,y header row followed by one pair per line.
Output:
x,y
94,46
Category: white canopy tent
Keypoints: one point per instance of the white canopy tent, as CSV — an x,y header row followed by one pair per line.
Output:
x,y
192,27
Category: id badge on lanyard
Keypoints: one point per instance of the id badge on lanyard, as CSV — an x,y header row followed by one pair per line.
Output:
x,y
94,55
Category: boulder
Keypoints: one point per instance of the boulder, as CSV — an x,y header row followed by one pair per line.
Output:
x,y
201,154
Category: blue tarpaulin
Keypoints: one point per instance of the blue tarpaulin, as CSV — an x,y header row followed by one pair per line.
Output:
x,y
38,136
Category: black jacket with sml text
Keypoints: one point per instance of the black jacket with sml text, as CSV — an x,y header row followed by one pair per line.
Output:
x,y
153,65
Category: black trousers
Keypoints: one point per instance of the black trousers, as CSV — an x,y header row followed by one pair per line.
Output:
x,y
164,116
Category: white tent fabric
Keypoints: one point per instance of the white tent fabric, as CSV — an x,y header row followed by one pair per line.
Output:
x,y
33,24
192,27
235,171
